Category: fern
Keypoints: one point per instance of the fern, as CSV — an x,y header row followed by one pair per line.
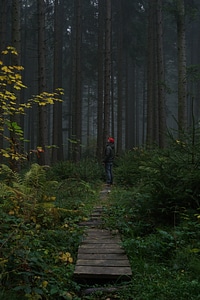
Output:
x,y
36,176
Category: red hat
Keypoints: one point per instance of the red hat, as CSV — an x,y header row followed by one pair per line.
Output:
x,y
111,140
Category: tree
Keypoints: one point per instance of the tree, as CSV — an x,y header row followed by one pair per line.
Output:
x,y
57,108
150,76
119,78
43,134
156,115
182,79
100,79
161,76
77,85
10,84
15,61
3,27
107,85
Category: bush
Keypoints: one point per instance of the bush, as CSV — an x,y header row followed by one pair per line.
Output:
x,y
87,170
40,234
168,180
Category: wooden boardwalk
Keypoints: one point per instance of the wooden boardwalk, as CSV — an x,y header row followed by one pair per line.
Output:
x,y
100,255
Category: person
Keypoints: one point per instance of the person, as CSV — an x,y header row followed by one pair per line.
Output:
x,y
108,160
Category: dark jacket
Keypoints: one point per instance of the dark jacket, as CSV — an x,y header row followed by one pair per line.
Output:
x,y
109,153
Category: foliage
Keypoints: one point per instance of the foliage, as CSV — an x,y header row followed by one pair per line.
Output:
x,y
167,179
87,170
40,233
10,84
154,206
165,259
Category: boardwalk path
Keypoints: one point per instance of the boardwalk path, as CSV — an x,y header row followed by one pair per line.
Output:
x,y
100,255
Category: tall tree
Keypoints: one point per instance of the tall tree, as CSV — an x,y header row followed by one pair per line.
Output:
x,y
107,86
119,78
57,108
161,78
156,118
182,79
3,29
100,143
16,61
77,85
43,133
150,76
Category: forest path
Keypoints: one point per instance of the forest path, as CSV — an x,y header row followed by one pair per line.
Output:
x,y
101,256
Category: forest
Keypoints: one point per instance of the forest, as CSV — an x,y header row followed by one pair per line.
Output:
x,y
72,74
127,69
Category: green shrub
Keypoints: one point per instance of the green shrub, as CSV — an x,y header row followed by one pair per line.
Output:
x,y
167,179
40,233
87,170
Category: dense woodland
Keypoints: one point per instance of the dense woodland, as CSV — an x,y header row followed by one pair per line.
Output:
x,y
129,69
73,73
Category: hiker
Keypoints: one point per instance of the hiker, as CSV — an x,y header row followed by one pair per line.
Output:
x,y
108,160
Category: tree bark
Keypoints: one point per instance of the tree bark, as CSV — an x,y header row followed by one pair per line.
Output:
x,y
107,86
57,153
16,61
161,80
77,90
119,78
3,27
99,151
182,80
44,158
149,137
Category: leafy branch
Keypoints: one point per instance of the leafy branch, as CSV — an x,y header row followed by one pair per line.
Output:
x,y
10,84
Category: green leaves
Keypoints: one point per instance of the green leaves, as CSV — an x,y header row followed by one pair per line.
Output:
x,y
10,84
39,242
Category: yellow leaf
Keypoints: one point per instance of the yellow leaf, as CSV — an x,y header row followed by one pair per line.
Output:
x,y
17,87
6,155
70,260
33,218
44,284
3,261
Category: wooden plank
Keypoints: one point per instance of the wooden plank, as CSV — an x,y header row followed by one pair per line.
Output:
x,y
96,240
92,272
103,263
100,255
108,256
101,250
98,232
101,246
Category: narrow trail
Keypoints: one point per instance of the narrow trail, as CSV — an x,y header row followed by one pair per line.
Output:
x,y
101,256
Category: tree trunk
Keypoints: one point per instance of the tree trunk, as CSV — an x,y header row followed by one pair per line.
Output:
x,y
3,24
57,154
107,86
182,80
77,90
16,61
44,158
161,78
149,137
99,151
119,78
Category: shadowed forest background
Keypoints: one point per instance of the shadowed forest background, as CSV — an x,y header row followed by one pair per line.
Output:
x,y
129,69
73,73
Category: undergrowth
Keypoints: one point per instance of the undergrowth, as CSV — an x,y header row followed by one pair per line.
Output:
x,y
40,232
154,205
